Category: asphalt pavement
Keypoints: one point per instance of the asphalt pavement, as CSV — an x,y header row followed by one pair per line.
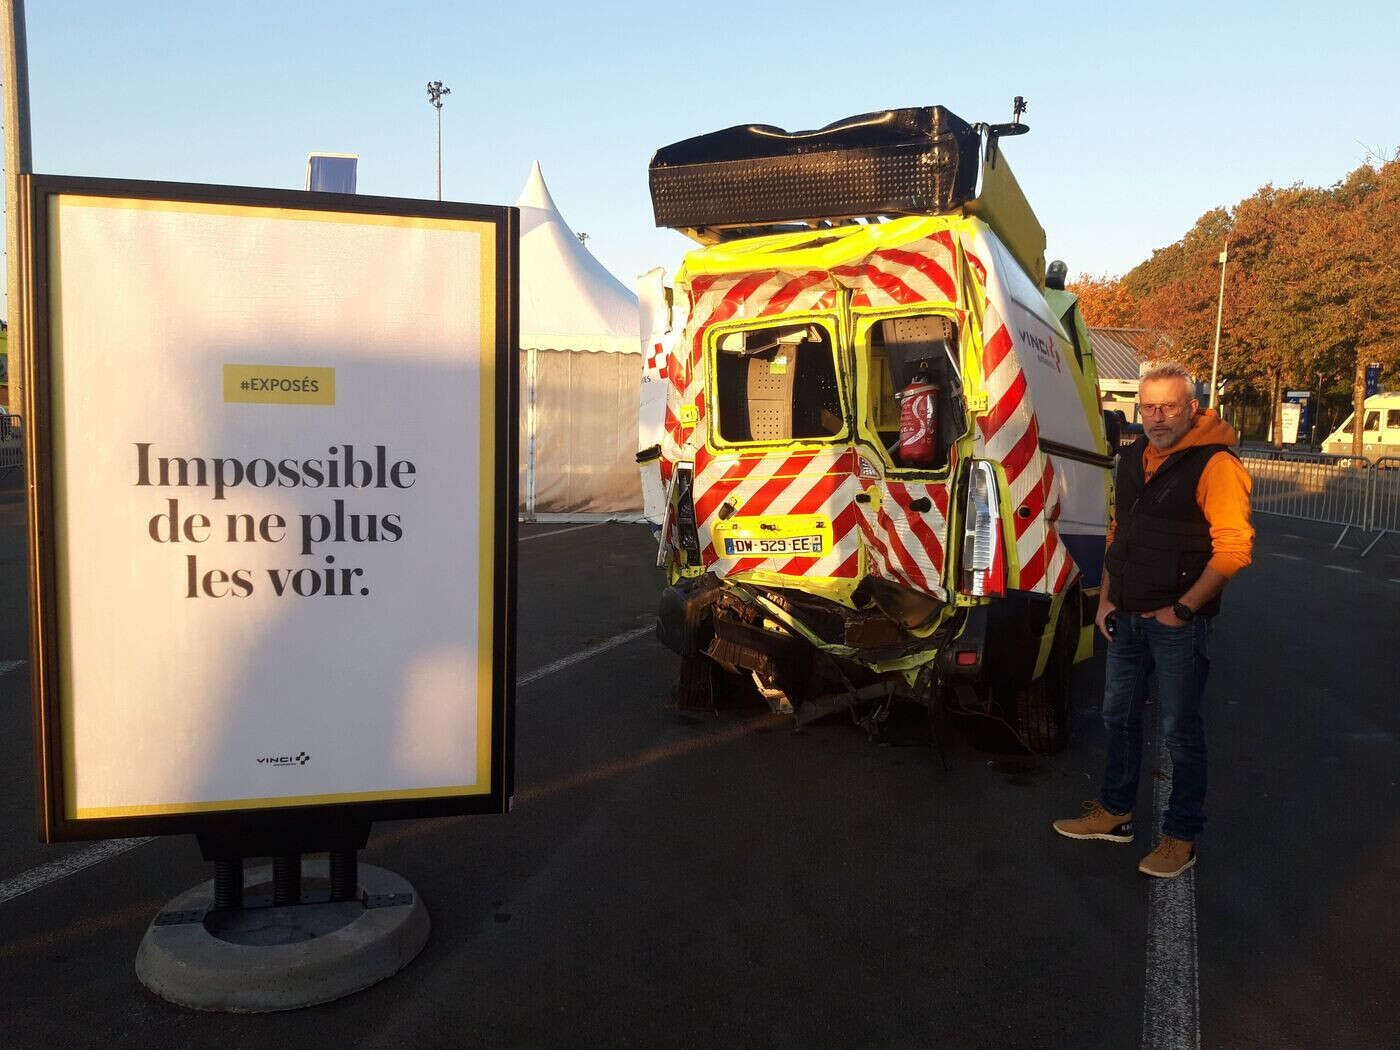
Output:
x,y
679,881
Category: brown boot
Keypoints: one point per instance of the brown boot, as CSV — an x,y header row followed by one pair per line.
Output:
x,y
1169,859
1097,823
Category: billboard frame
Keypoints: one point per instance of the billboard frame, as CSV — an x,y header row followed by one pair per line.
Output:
x,y
315,825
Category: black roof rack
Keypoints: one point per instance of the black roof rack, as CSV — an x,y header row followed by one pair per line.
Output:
x,y
915,161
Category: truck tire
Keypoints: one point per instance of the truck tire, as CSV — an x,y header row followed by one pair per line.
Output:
x,y
704,685
693,690
1041,711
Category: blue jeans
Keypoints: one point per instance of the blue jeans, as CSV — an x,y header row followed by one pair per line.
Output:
x,y
1179,656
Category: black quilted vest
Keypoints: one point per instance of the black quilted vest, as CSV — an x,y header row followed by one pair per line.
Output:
x,y
1162,539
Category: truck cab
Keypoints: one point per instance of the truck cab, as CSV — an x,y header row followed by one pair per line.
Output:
x,y
881,472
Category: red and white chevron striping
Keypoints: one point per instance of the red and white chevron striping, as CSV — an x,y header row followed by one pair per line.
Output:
x,y
905,545
1009,436
812,482
921,271
902,544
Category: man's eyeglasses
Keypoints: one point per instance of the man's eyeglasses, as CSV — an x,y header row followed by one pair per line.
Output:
x,y
1169,411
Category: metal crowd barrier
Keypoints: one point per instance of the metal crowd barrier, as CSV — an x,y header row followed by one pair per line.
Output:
x,y
11,443
1334,490
1385,498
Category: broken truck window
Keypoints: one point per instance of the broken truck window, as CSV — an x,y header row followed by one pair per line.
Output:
x,y
777,384
914,402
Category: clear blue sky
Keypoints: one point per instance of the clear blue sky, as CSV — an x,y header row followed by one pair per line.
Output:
x,y
1141,120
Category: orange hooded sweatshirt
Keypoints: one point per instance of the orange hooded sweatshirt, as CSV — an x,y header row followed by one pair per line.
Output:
x,y
1222,493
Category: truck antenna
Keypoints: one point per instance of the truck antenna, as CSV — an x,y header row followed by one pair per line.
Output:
x,y
1019,105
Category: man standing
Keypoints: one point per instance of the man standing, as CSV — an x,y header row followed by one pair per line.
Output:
x,y
1181,529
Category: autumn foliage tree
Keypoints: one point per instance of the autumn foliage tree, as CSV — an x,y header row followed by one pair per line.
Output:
x,y
1363,281
1105,302
1312,286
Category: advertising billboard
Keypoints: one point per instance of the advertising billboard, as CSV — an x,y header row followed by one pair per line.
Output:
x,y
274,512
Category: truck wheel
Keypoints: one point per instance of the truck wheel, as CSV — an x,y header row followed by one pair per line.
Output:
x,y
1042,708
704,685
693,690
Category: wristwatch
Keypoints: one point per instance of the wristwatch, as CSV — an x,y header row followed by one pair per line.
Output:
x,y
1183,612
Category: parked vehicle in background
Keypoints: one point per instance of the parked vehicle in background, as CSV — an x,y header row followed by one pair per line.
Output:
x,y
1380,429
882,474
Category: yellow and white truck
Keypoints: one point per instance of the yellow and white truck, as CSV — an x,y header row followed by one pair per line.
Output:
x,y
872,445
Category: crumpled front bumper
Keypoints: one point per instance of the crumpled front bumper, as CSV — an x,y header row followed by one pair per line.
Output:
x,y
692,613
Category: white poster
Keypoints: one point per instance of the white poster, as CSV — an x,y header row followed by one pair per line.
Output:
x,y
273,497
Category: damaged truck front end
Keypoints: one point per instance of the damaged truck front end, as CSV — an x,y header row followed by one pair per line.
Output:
x,y
854,499
805,656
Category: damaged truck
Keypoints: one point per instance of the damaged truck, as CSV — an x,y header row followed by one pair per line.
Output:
x,y
873,447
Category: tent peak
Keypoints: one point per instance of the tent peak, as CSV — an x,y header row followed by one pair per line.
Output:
x,y
568,299
536,193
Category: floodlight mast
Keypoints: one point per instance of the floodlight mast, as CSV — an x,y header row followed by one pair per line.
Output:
x,y
18,161
435,95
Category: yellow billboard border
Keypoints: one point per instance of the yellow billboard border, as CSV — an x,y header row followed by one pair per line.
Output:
x,y
491,406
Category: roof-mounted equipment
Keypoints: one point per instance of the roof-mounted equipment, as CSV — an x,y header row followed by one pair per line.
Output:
x,y
897,162
755,179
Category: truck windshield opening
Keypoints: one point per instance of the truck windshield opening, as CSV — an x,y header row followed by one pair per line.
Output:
x,y
915,392
777,384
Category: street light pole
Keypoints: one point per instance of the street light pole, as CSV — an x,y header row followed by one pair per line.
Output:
x,y
18,161
1219,309
435,94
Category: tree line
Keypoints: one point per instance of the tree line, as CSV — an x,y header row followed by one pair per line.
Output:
x,y
1311,293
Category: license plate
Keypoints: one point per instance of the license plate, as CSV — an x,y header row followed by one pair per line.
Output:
x,y
766,548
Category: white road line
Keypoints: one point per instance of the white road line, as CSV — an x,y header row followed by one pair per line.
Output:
x,y
6,666
1344,568
556,532
34,878
1290,557
585,654
1171,1010
45,874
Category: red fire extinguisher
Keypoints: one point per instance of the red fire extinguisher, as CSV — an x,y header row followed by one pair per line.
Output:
x,y
918,422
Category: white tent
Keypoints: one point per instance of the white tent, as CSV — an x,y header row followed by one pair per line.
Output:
x,y
568,299
580,369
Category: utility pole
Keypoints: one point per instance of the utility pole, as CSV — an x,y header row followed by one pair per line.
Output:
x,y
18,161
1219,309
435,95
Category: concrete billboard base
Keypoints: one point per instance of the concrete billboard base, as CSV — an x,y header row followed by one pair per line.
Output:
x,y
264,959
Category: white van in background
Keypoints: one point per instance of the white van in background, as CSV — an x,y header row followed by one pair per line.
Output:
x,y
1380,430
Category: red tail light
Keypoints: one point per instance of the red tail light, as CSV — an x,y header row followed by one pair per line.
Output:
x,y
983,561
